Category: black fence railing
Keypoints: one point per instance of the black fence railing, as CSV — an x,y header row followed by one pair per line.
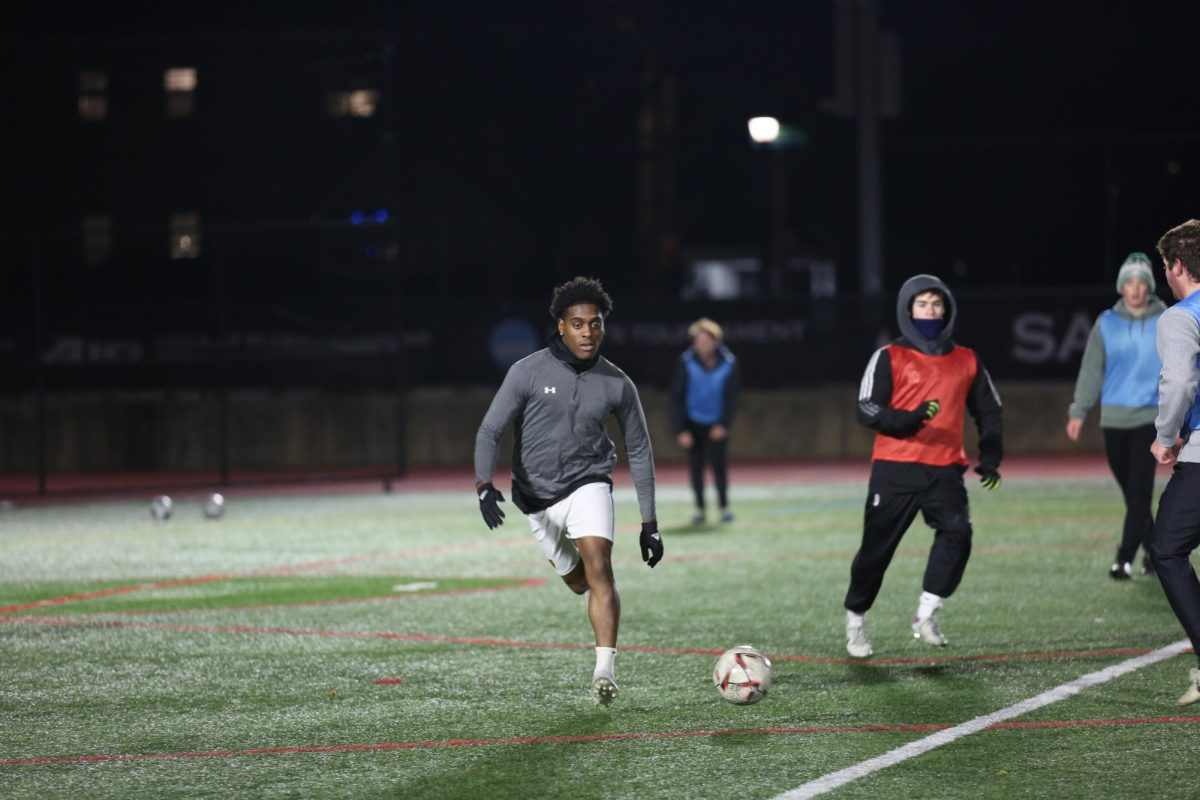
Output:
x,y
303,310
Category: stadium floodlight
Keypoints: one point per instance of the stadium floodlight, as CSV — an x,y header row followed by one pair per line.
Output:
x,y
763,130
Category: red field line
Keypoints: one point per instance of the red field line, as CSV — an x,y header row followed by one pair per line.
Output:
x,y
595,737
524,583
1082,723
408,554
284,570
249,629
292,569
140,587
1091,542
484,641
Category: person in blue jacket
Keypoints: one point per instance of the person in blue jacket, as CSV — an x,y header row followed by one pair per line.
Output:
x,y
1120,370
704,395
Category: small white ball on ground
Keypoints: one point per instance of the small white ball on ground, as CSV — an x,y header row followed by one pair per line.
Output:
x,y
161,508
214,506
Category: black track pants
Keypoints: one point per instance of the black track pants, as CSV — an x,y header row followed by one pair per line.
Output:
x,y
888,515
1128,452
703,449
1176,535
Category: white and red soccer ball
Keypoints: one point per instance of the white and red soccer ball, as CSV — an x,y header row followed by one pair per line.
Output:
x,y
742,675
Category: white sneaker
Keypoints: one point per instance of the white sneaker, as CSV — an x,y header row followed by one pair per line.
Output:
x,y
1193,691
857,643
604,689
1121,571
926,629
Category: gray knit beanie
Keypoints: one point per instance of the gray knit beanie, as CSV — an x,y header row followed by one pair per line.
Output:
x,y
1136,265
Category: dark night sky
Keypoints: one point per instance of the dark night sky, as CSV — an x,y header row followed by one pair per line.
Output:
x,y
1038,142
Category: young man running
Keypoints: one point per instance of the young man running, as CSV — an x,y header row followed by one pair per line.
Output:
x,y
914,394
559,400
1177,526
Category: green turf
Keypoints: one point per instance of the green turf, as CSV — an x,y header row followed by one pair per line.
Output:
x,y
288,650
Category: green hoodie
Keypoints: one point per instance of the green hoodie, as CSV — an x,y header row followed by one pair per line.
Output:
x,y
1091,375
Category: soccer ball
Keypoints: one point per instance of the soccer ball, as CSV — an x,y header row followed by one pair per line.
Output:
x,y
214,506
161,507
742,675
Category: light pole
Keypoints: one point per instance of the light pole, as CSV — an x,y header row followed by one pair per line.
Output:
x,y
867,89
764,131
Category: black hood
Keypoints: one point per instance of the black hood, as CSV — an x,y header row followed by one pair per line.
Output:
x,y
911,288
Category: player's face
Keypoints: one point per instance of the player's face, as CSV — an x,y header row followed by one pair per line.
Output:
x,y
705,344
582,329
928,305
1136,294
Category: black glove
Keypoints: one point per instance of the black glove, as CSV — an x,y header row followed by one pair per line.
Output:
x,y
489,500
909,423
990,477
652,548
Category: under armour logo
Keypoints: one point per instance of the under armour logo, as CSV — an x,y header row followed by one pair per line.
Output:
x,y
549,390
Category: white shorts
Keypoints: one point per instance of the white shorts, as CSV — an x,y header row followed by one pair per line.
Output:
x,y
587,511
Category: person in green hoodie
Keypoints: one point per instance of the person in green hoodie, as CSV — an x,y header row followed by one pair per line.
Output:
x,y
1120,370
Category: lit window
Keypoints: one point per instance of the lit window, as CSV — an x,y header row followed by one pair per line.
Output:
x,y
180,105
93,95
93,107
183,235
180,85
354,103
180,79
97,238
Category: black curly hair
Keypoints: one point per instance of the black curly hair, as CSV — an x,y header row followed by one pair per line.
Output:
x,y
580,290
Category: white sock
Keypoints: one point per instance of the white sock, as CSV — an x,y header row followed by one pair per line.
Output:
x,y
855,620
604,661
928,604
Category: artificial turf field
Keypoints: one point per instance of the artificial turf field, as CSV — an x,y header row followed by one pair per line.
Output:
x,y
389,645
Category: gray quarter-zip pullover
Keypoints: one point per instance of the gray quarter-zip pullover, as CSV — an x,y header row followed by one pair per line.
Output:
x,y
560,423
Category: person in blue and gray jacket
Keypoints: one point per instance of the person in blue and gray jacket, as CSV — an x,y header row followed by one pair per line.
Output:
x,y
1120,370
704,395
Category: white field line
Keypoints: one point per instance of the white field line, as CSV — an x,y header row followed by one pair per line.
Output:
x,y
833,780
